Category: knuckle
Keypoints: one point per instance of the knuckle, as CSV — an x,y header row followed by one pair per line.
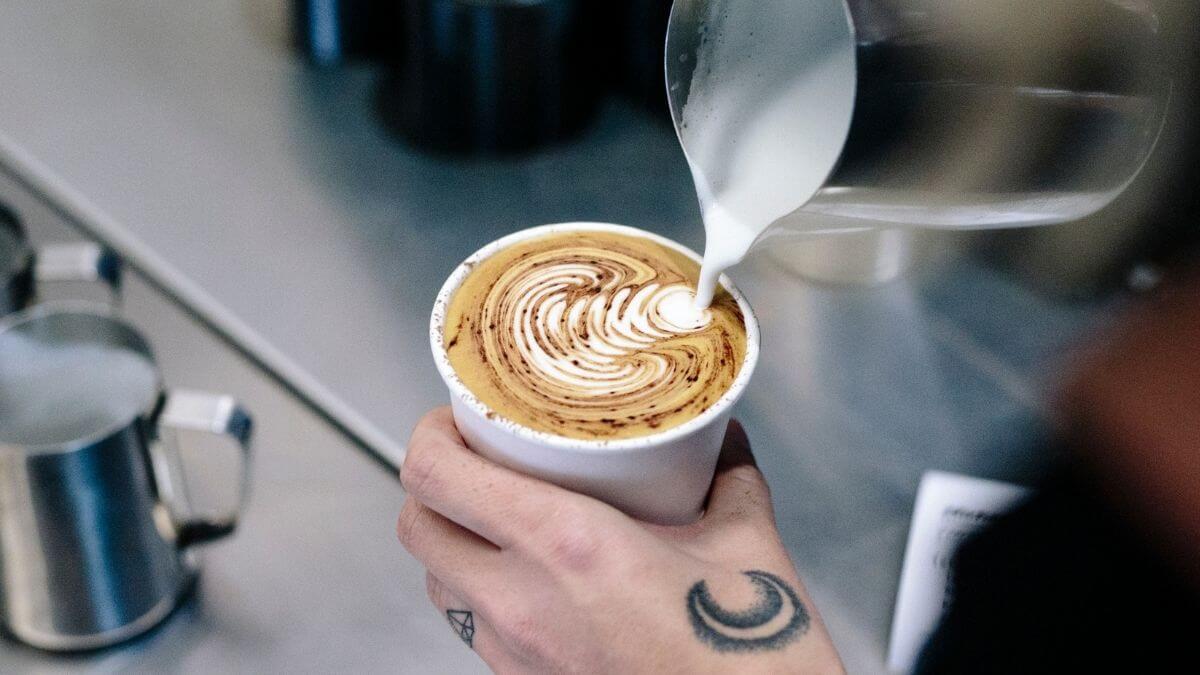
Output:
x,y
412,521
572,542
435,590
748,531
762,497
497,605
430,422
419,471
748,474
753,483
574,552
524,635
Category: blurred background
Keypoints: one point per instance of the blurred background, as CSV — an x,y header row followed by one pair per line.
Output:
x,y
288,183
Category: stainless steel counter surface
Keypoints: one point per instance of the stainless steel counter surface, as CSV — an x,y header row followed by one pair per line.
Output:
x,y
263,195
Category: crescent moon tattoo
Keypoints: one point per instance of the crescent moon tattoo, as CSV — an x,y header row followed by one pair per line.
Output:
x,y
777,617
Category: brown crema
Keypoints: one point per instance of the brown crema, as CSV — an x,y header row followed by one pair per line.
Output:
x,y
592,335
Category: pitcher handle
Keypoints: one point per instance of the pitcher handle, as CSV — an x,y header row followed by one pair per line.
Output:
x,y
222,416
80,261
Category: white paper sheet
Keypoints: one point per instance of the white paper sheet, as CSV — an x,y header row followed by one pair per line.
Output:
x,y
949,508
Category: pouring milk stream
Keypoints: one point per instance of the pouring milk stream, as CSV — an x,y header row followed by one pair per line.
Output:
x,y
763,95
741,86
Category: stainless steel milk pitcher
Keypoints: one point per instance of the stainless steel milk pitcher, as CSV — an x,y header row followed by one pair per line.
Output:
x,y
95,537
23,268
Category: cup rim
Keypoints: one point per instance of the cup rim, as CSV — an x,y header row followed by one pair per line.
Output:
x,y
463,394
45,310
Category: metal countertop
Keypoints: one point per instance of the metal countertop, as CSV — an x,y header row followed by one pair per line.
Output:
x,y
263,195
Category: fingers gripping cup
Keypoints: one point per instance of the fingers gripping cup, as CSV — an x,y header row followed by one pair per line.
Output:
x,y
573,353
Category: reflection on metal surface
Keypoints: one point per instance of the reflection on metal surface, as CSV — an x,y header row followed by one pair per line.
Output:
x,y
23,269
868,257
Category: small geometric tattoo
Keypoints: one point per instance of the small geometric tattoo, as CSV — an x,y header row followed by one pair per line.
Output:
x,y
463,623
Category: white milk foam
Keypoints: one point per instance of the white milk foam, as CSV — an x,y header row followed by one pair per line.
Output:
x,y
678,309
55,393
769,108
582,344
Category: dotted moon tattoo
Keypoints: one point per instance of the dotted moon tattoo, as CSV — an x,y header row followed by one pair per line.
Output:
x,y
777,618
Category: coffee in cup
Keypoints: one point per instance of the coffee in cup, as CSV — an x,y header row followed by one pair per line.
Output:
x,y
573,353
593,335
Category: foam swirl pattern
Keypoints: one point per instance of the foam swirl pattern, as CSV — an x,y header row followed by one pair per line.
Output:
x,y
592,335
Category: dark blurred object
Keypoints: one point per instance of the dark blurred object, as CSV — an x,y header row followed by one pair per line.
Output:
x,y
642,33
1134,414
16,263
1156,222
1064,584
1100,571
493,77
330,31
24,268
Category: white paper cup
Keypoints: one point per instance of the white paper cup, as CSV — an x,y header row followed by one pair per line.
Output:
x,y
660,478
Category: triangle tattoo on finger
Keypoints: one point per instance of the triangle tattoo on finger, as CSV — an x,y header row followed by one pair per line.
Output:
x,y
463,623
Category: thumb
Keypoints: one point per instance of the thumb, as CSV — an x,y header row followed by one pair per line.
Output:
x,y
739,490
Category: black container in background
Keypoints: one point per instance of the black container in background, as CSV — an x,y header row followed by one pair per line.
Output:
x,y
641,37
494,76
331,31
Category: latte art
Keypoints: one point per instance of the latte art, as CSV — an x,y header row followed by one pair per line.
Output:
x,y
592,335
577,341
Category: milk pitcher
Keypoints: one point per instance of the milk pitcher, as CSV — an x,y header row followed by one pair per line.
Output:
x,y
96,540
836,116
23,268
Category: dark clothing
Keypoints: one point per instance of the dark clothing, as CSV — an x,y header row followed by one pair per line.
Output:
x,y
1063,584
